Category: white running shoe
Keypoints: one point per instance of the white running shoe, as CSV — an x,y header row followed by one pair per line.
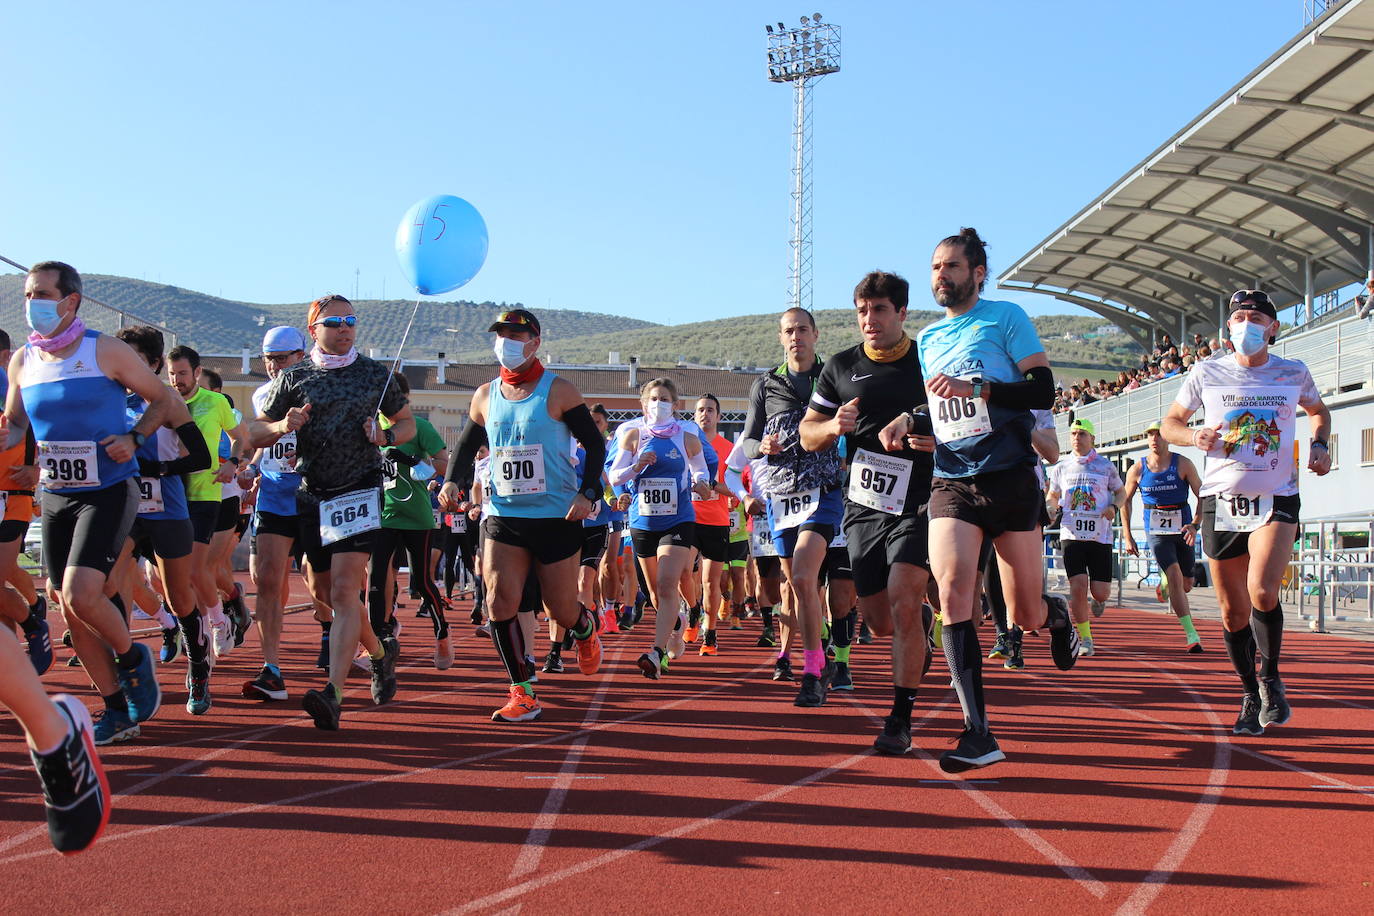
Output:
x,y
1085,648
221,637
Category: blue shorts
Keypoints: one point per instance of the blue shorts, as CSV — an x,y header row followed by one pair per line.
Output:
x,y
824,520
1170,549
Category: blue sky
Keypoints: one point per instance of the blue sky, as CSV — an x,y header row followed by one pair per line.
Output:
x,y
629,158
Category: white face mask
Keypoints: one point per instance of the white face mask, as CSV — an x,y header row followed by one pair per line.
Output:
x,y
510,353
42,315
660,412
1249,338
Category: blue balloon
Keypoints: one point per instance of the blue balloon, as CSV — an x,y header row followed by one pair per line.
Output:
x,y
441,244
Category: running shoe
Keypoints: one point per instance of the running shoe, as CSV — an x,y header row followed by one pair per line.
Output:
x,y
531,669
171,643
242,619
553,662
476,616
483,631
221,636
1014,661
76,794
768,638
709,646
650,664
1063,634
40,647
424,612
266,686
676,645
198,701
895,738
589,654
322,660
1001,647
735,623
443,653
1274,709
1248,722
690,635
610,621
842,680
627,620
1162,590
1098,607
1195,648
140,685
1085,647
324,706
114,725
975,749
384,672
520,707
362,661
751,607
865,634
812,692
782,670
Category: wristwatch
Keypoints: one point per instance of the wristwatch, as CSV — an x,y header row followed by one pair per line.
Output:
x,y
389,434
591,493
977,388
1317,443
139,438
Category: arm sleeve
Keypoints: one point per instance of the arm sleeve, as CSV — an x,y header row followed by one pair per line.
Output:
x,y
698,465
470,440
1035,393
30,446
579,421
712,460
753,420
622,468
197,457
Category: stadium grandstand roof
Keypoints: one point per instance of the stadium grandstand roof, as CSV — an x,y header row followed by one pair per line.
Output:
x,y
1272,187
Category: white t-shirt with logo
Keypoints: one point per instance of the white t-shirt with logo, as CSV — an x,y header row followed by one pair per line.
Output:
x,y
1085,486
1255,412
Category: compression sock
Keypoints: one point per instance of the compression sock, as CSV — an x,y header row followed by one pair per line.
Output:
x,y
694,616
1268,630
1085,629
710,637
1240,646
965,658
197,649
510,645
767,614
843,633
585,626
1190,631
812,661
30,623
116,702
903,698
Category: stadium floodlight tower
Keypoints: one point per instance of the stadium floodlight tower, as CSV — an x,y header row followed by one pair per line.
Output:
x,y
801,56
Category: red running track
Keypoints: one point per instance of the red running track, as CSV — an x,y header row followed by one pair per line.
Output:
x,y
707,791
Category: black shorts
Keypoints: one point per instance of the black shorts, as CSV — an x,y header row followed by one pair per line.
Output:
x,y
287,526
1226,545
87,528
769,567
204,516
1170,549
1090,558
316,552
594,544
169,538
737,553
228,517
13,529
647,543
984,555
997,502
548,540
836,565
879,539
714,542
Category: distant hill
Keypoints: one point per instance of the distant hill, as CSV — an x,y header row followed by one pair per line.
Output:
x,y
215,325
752,340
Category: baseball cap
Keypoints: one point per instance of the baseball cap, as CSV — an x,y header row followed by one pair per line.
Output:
x,y
283,339
1156,426
516,320
1084,425
1253,299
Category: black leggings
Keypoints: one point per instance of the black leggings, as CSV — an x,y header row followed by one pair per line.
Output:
x,y
388,543
458,547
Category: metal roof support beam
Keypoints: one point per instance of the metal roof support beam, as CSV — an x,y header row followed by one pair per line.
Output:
x,y
1178,284
1281,257
1348,118
1161,313
1357,192
1136,327
1219,272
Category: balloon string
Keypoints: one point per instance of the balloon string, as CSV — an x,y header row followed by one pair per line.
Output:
x,y
399,350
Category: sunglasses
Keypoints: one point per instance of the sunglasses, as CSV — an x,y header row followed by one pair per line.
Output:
x,y
1250,295
514,318
338,321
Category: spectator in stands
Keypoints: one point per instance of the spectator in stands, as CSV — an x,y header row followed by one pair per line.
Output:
x,y
1197,342
1169,367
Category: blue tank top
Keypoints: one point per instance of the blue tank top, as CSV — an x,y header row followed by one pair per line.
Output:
x,y
1164,489
662,491
72,405
278,484
163,445
531,469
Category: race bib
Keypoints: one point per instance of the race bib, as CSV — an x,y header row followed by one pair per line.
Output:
x,y
657,496
959,418
736,523
277,457
518,470
879,481
840,539
792,509
1166,521
1236,512
149,495
68,465
458,522
350,514
761,540
1085,526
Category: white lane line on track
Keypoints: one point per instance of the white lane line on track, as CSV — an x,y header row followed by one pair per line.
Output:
x,y
394,777
1034,840
614,855
542,829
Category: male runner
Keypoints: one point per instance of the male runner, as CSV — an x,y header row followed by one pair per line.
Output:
x,y
858,393
1250,489
1164,479
15,517
1088,488
536,505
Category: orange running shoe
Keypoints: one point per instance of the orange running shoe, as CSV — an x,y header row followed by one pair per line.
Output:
x,y
608,622
707,649
690,634
520,707
589,655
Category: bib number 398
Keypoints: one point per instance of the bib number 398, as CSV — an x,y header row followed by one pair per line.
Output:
x,y
350,514
68,465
